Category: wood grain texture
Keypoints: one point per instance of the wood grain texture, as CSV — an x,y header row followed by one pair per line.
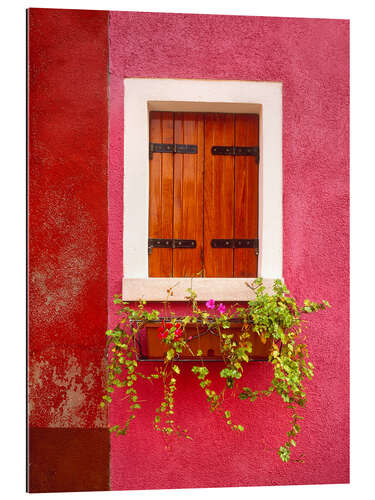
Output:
x,y
203,196
188,194
218,194
246,195
161,193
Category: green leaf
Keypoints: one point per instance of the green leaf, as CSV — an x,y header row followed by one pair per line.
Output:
x,y
170,354
276,317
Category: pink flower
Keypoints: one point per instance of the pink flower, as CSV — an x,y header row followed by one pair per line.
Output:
x,y
178,333
221,308
210,304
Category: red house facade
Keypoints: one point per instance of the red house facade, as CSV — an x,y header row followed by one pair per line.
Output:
x,y
89,75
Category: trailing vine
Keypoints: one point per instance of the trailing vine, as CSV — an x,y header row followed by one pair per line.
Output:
x,y
275,318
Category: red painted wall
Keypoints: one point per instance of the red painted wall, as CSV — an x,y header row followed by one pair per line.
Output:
x,y
67,207
310,57
75,245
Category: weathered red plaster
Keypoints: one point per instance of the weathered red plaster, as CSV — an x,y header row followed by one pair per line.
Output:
x,y
67,203
65,387
310,57
68,460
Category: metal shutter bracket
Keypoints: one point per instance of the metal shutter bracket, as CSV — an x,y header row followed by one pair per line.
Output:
x,y
236,151
236,243
172,148
170,243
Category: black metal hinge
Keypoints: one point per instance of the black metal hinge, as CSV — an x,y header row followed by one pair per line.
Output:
x,y
236,243
236,151
172,148
170,243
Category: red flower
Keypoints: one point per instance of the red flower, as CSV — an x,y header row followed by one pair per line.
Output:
x,y
162,332
178,333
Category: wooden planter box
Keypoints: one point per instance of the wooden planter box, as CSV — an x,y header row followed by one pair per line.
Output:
x,y
207,341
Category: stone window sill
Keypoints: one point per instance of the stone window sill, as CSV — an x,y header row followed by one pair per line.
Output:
x,y
219,289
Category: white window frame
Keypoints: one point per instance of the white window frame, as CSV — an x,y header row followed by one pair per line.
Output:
x,y
143,95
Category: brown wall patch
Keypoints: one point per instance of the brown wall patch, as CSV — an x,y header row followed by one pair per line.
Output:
x,y
68,460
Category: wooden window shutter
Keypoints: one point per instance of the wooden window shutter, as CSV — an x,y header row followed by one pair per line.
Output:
x,y
246,195
188,194
197,196
218,195
161,194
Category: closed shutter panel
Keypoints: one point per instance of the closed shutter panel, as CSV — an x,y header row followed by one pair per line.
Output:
x,y
203,196
246,195
161,194
218,194
188,194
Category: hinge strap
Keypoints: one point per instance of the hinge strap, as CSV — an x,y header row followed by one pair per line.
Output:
x,y
172,148
236,151
236,243
170,243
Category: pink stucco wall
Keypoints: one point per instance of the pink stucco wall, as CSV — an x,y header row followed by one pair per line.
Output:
x,y
311,58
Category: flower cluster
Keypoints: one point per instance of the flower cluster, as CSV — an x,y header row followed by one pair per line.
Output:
x,y
168,328
275,318
220,308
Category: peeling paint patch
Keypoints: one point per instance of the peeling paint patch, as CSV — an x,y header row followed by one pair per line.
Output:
x,y
66,388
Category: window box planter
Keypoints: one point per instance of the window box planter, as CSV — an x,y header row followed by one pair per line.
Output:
x,y
198,337
268,328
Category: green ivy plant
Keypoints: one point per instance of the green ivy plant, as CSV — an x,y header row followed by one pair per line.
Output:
x,y
273,316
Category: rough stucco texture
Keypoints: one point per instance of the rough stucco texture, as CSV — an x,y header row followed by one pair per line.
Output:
x,y
68,439
310,57
67,202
